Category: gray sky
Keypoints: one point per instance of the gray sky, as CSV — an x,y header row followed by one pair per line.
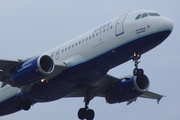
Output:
x,y
31,27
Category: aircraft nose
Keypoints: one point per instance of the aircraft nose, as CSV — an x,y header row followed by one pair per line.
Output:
x,y
164,23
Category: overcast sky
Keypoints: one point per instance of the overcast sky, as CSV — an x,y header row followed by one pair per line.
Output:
x,y
32,27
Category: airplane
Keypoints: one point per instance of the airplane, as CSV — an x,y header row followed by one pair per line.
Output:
x,y
78,68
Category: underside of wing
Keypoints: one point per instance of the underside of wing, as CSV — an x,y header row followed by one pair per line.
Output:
x,y
6,64
98,88
116,90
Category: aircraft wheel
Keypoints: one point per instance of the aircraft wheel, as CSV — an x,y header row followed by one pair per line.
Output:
x,y
82,113
136,72
90,114
18,103
27,104
141,71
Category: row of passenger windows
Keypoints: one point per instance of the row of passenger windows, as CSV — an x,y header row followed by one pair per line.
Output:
x,y
146,15
86,39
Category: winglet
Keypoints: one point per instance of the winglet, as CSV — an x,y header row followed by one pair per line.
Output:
x,y
158,99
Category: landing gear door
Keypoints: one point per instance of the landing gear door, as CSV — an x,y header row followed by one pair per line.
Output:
x,y
119,25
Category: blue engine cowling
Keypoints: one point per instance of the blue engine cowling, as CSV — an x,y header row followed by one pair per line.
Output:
x,y
127,89
32,71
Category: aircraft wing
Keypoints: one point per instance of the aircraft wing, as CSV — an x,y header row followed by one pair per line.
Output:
x,y
6,64
100,88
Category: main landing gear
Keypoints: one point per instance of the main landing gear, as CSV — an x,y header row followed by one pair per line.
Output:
x,y
20,103
86,113
137,71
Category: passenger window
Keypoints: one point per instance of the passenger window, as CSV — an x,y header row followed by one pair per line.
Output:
x,y
96,34
89,37
62,50
100,32
79,42
144,15
138,17
69,47
104,30
93,35
82,40
72,45
65,49
86,39
107,28
111,27
76,44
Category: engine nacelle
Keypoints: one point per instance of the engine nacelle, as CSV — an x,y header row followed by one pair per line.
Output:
x,y
127,89
32,71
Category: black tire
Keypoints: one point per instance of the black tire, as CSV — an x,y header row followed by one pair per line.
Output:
x,y
136,72
141,71
82,113
27,104
90,114
18,103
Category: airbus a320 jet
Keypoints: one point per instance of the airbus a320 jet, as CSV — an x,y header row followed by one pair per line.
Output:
x,y
78,68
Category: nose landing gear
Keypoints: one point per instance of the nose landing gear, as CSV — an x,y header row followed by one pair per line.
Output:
x,y
137,71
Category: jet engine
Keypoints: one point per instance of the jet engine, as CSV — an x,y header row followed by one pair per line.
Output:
x,y
32,71
127,89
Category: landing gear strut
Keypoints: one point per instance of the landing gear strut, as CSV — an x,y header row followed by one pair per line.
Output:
x,y
86,113
137,71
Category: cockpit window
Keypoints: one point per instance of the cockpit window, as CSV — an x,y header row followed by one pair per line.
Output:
x,y
144,15
138,17
153,14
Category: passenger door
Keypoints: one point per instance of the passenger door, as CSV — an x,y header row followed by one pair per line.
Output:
x,y
119,25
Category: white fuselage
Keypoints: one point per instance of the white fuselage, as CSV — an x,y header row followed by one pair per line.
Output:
x,y
100,40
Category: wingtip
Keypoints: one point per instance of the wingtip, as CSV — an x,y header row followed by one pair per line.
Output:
x,y
158,100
